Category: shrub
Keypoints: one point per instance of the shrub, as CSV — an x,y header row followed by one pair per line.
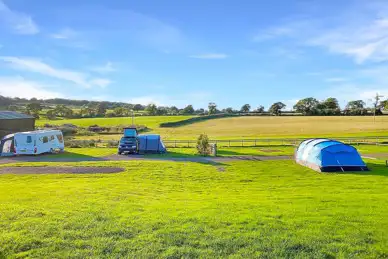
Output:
x,y
80,143
203,146
112,143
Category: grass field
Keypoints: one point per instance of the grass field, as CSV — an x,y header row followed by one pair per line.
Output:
x,y
150,121
173,210
249,127
234,151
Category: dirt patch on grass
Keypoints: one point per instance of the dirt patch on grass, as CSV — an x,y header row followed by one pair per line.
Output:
x,y
60,170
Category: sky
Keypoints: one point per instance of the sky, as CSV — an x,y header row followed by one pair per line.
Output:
x,y
184,52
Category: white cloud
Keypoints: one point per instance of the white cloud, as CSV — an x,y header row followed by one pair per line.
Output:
x,y
145,100
19,87
107,68
210,56
360,33
37,66
64,34
101,82
19,23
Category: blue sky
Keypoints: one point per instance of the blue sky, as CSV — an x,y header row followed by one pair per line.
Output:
x,y
194,52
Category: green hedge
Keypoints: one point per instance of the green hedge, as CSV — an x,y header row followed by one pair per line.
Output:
x,y
195,119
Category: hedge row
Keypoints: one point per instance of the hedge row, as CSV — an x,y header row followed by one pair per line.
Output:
x,y
196,119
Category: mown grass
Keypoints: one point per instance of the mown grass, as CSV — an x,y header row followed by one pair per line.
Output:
x,y
149,121
223,151
173,210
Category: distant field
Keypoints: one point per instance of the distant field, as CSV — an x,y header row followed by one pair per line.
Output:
x,y
149,121
273,209
249,127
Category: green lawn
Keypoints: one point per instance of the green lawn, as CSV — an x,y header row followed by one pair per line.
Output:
x,y
149,121
224,151
171,210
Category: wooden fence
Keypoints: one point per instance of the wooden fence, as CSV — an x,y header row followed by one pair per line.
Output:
x,y
258,142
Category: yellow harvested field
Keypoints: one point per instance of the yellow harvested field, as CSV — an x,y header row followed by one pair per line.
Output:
x,y
291,126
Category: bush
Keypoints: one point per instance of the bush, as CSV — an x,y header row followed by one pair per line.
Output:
x,y
203,145
80,143
112,143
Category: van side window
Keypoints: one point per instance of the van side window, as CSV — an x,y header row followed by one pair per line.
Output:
x,y
45,139
29,139
60,138
52,138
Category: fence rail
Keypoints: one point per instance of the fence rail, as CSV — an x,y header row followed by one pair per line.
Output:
x,y
256,142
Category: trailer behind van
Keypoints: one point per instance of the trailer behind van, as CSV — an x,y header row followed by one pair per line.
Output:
x,y
32,143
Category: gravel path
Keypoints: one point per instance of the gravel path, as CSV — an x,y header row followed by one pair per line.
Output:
x,y
59,170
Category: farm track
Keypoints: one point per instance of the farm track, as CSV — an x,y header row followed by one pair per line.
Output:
x,y
52,158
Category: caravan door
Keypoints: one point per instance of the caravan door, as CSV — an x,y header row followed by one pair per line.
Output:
x,y
25,144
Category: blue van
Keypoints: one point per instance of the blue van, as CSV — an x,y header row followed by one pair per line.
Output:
x,y
128,143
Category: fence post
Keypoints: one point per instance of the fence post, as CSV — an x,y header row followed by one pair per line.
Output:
x,y
229,143
242,142
175,144
255,142
188,143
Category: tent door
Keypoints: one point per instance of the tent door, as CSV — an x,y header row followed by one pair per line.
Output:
x,y
7,146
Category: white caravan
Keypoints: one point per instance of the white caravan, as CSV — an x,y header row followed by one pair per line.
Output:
x,y
32,143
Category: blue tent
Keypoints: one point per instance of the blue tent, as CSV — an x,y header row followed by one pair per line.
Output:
x,y
325,155
150,144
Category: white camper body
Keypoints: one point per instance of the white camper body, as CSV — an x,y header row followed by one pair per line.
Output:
x,y
38,142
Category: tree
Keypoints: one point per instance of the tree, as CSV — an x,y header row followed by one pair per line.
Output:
x,y
120,112
276,108
245,108
63,111
203,145
151,109
34,109
229,110
50,114
138,107
212,108
200,111
306,106
352,105
331,103
188,110
101,109
376,107
355,108
260,109
161,110
173,110
384,105
87,111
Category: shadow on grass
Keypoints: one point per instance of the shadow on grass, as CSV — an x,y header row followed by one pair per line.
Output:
x,y
374,169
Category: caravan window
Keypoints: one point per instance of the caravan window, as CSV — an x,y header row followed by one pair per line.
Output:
x,y
60,138
29,139
45,139
52,138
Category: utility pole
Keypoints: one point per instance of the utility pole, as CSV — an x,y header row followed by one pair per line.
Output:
x,y
133,118
376,103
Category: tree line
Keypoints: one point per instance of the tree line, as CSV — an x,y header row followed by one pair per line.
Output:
x,y
306,106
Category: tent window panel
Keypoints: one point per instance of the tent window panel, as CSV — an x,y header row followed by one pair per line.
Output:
x,y
29,139
45,139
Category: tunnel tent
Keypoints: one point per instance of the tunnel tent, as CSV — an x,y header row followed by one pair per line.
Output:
x,y
326,155
150,144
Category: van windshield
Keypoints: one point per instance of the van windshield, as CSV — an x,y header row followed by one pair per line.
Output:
x,y
128,139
